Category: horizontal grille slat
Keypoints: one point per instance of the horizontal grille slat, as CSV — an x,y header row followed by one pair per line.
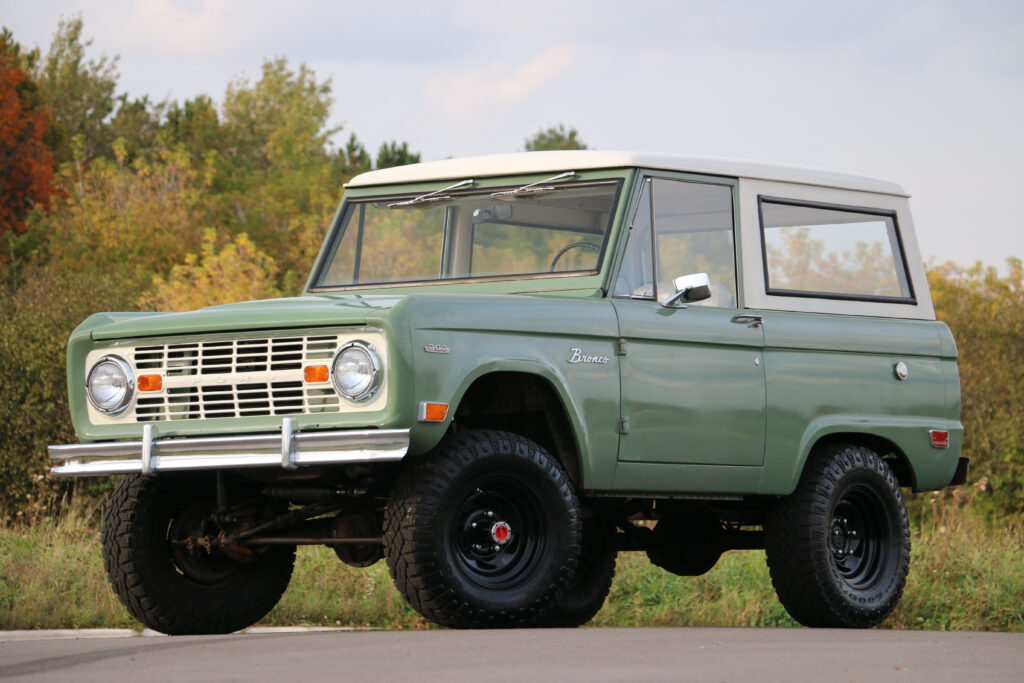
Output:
x,y
260,376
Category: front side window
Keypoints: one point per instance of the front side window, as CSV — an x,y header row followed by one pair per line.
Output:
x,y
693,233
472,234
832,252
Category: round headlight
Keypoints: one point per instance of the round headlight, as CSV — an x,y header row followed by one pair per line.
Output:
x,y
356,371
110,384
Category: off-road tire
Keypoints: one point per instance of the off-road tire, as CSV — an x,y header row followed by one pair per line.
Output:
x,y
156,590
431,544
823,574
588,590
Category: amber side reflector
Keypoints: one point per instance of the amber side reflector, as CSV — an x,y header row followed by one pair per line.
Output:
x,y
316,373
939,438
433,412
151,383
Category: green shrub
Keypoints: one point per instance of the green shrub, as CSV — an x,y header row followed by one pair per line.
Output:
x,y
37,314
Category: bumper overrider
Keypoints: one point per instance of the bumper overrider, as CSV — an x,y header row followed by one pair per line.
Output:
x,y
288,450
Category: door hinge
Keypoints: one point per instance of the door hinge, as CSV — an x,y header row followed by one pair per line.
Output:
x,y
620,347
623,425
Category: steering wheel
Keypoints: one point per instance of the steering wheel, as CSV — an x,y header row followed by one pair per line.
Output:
x,y
574,245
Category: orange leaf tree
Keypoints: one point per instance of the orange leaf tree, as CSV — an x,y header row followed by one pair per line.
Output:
x,y
26,163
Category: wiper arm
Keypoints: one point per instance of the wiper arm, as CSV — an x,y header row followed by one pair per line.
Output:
x,y
435,196
535,188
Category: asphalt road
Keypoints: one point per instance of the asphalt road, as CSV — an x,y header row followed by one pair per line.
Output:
x,y
613,654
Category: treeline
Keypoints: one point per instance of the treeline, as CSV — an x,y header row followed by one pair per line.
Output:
x,y
112,202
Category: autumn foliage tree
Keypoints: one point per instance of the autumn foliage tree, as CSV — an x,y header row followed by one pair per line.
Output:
x,y
985,312
26,163
238,271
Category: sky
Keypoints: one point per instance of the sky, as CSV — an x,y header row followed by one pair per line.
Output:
x,y
929,95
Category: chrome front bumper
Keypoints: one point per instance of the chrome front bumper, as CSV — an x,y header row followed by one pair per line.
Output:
x,y
289,450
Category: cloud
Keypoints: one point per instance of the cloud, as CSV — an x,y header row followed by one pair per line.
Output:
x,y
469,91
196,29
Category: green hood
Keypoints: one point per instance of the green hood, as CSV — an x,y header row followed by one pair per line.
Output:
x,y
305,311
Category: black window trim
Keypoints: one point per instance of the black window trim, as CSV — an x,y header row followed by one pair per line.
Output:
x,y
838,296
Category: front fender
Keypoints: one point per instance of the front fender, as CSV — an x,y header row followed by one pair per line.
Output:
x,y
446,360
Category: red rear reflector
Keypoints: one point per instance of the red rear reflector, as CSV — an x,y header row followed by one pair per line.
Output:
x,y
316,373
433,412
151,383
939,438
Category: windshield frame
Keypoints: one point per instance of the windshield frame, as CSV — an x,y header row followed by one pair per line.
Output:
x,y
617,178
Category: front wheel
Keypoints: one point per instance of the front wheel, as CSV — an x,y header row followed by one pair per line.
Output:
x,y
838,548
169,582
585,595
484,532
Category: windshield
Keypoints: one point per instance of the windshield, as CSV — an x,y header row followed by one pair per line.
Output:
x,y
472,234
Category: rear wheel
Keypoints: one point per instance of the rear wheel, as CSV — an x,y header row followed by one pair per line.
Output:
x,y
838,548
170,582
484,532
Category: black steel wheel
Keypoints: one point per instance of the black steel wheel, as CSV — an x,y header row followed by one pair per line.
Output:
x,y
484,532
838,548
486,550
173,584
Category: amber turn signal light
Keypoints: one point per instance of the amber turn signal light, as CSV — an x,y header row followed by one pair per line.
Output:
x,y
433,412
151,383
316,373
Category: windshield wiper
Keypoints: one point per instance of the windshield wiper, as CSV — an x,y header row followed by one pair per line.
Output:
x,y
535,188
434,196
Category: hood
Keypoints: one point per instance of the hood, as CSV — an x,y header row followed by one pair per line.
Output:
x,y
270,314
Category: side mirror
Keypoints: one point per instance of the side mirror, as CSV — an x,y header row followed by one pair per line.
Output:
x,y
693,287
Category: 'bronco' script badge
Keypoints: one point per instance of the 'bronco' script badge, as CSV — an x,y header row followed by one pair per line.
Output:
x,y
579,357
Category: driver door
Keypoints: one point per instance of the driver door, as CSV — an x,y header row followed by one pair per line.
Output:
x,y
692,378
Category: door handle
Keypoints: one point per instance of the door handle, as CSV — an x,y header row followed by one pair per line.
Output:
x,y
748,319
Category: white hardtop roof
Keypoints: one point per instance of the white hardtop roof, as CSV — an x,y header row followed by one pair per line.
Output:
x,y
580,160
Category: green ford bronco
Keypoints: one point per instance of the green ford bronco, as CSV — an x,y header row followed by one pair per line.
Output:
x,y
505,370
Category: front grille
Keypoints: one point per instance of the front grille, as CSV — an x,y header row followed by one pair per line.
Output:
x,y
235,378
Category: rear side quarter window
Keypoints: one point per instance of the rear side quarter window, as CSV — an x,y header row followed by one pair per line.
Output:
x,y
832,252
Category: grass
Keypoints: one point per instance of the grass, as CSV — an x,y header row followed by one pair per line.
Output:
x,y
966,574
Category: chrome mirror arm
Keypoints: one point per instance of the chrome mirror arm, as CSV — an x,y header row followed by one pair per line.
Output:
x,y
673,301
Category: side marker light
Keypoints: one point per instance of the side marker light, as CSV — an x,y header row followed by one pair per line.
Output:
x,y
433,412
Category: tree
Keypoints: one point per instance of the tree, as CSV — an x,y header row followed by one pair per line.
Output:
x,y
354,158
79,92
138,123
393,154
194,125
26,163
553,138
279,122
276,177
985,312
134,221
238,272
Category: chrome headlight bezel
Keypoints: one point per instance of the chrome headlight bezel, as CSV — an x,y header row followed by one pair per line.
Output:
x,y
376,376
129,393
